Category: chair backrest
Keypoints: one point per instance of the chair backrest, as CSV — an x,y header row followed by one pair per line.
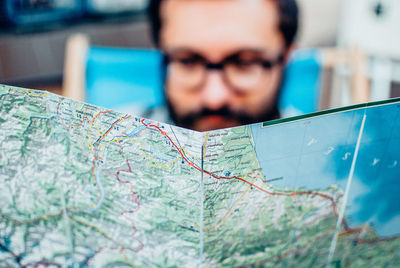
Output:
x,y
302,83
117,78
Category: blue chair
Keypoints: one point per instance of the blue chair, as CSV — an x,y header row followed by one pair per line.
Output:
x,y
302,83
120,77
116,78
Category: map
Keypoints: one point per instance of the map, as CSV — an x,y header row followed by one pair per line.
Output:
x,y
83,186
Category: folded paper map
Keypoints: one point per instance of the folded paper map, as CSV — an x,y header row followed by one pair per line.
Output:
x,y
83,186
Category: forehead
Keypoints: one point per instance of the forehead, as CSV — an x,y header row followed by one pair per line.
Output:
x,y
216,28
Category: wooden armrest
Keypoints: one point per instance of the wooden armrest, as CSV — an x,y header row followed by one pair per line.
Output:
x,y
75,66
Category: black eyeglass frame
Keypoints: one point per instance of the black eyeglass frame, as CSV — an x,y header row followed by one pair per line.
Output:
x,y
220,66
267,64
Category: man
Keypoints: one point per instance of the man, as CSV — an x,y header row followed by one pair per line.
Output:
x,y
224,58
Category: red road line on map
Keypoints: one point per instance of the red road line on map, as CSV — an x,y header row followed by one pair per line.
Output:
x,y
94,174
108,131
17,258
135,200
83,120
95,150
334,207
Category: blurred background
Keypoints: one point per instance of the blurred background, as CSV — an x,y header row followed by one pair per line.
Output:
x,y
357,44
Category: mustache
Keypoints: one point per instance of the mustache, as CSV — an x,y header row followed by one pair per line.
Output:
x,y
189,119
243,118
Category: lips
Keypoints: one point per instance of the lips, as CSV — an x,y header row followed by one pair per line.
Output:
x,y
212,122
215,119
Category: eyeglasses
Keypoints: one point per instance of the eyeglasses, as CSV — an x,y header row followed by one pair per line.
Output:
x,y
242,74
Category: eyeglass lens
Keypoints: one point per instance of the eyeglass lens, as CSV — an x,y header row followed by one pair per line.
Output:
x,y
242,74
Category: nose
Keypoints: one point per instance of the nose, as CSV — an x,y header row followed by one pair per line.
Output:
x,y
215,93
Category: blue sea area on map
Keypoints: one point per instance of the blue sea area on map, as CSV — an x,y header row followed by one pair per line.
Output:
x,y
317,152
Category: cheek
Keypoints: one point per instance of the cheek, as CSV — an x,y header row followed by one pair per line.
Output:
x,y
264,97
183,101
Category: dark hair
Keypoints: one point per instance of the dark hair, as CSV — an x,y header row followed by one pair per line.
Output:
x,y
288,19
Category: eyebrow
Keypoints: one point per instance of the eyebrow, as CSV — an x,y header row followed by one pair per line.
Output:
x,y
188,50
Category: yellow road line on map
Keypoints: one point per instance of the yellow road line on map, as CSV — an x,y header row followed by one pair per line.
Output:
x,y
98,229
189,154
91,126
204,144
150,159
39,218
133,141
260,225
93,227
232,208
127,261
98,129
90,137
259,173
144,154
33,94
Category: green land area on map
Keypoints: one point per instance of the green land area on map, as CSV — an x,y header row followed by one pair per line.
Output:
x,y
82,186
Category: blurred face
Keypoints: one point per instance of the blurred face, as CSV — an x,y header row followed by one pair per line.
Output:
x,y
224,60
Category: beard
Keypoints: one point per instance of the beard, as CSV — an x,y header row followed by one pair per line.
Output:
x,y
197,120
